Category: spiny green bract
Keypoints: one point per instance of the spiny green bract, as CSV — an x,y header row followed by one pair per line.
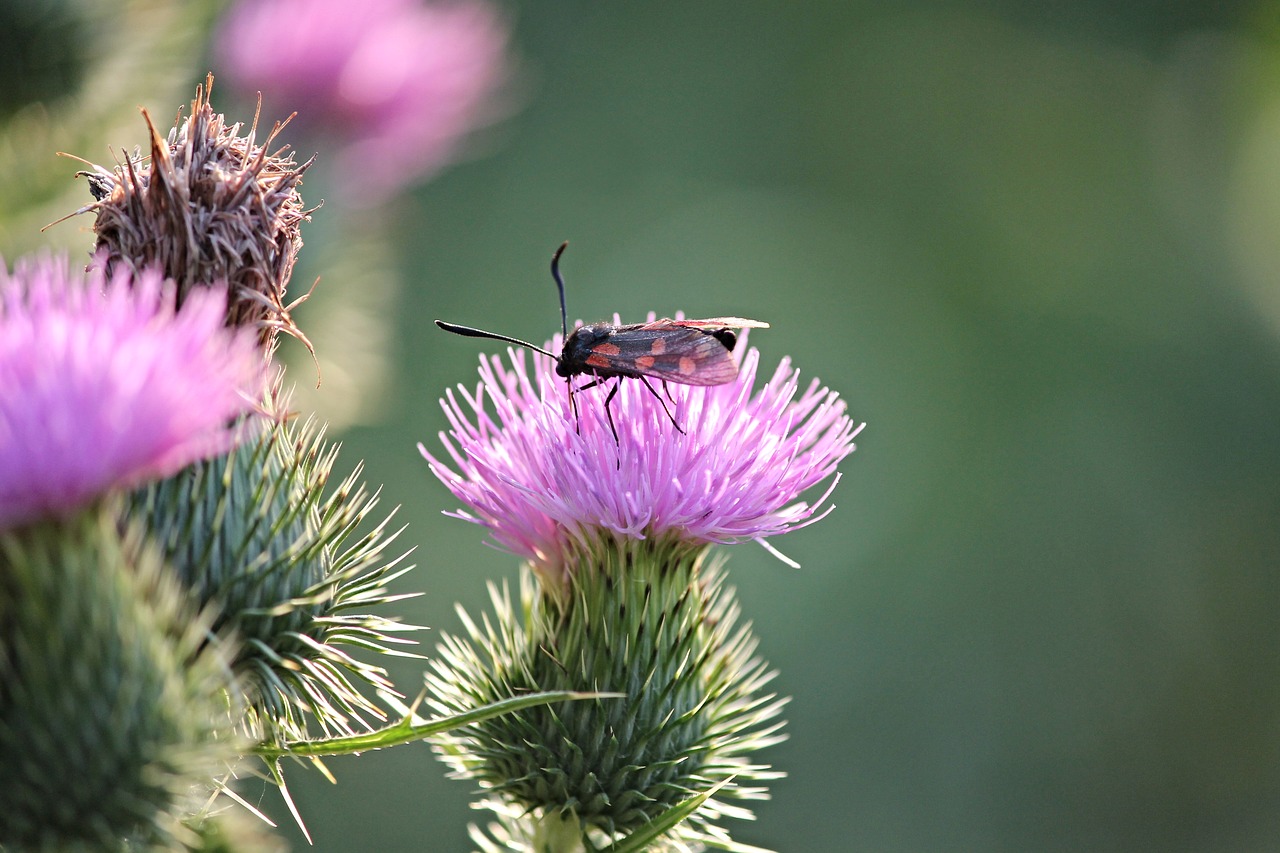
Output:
x,y
116,703
254,534
640,618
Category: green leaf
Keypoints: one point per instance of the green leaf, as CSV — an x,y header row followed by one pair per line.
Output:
x,y
412,728
639,841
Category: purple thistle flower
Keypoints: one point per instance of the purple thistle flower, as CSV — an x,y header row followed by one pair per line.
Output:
x,y
547,489
103,385
400,83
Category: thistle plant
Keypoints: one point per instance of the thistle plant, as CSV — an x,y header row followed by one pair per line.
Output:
x,y
182,581
256,532
621,592
117,700
184,584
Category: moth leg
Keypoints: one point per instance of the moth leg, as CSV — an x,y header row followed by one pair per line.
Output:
x,y
666,389
661,402
573,404
608,412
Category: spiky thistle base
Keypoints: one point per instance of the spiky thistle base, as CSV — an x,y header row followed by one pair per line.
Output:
x,y
641,618
116,708
254,534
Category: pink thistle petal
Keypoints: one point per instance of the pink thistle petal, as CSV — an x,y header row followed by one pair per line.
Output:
x,y
104,386
544,489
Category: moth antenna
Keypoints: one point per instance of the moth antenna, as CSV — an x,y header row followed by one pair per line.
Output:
x,y
468,332
555,272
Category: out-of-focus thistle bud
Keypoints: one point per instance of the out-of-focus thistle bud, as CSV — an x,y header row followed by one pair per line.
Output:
x,y
259,535
116,703
235,831
396,87
208,206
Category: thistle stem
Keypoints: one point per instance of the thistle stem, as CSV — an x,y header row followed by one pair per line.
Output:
x,y
556,834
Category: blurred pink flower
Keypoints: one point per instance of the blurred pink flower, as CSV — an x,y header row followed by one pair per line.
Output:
x,y
398,83
546,490
103,385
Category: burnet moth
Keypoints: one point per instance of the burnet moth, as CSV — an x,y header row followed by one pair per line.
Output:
x,y
687,352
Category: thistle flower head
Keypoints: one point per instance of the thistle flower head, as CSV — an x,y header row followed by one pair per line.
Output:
x,y
398,83
209,206
618,525
548,485
104,385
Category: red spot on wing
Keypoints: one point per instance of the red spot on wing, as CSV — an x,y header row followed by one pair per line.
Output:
x,y
596,360
605,349
688,366
645,361
658,347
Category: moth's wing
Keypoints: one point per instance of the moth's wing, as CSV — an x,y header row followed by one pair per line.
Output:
x,y
687,356
716,323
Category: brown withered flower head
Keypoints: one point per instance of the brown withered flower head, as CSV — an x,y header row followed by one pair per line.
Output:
x,y
208,206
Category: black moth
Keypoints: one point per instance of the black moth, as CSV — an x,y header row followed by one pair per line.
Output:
x,y
687,352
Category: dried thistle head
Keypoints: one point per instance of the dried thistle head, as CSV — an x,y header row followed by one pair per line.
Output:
x,y
208,205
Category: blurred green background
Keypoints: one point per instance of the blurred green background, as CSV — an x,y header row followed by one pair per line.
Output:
x,y
1036,246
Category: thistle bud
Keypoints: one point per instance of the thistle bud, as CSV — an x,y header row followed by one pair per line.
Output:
x,y
259,534
209,205
642,619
